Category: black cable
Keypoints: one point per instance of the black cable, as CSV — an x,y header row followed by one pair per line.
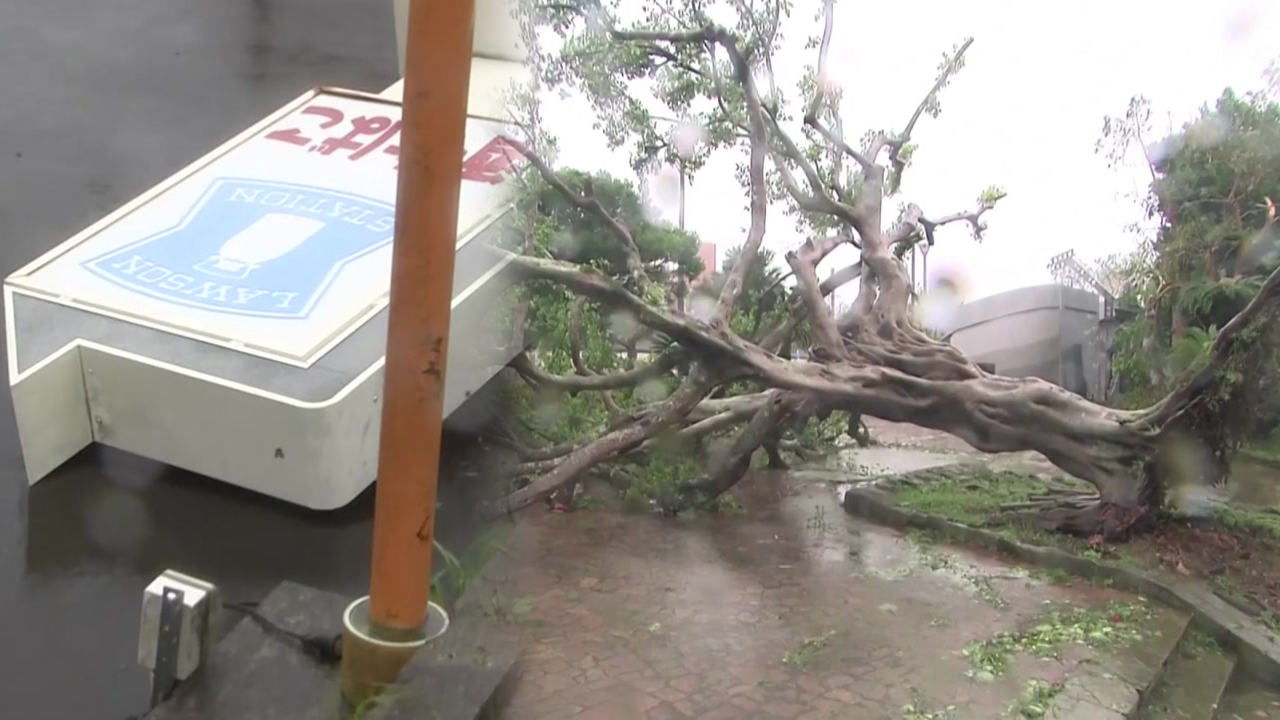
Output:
x,y
325,649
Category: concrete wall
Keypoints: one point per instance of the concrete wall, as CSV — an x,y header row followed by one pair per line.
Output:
x,y
1046,331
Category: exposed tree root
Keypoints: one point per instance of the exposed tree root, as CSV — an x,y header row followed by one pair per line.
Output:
x,y
1088,515
1098,520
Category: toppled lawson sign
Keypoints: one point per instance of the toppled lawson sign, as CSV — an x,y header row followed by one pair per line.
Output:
x,y
232,320
284,245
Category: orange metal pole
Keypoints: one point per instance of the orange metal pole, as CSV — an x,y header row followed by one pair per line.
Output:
x,y
382,632
436,80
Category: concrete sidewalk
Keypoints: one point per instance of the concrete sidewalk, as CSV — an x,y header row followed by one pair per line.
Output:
x,y
794,610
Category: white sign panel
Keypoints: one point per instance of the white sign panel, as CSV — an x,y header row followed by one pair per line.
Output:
x,y
279,243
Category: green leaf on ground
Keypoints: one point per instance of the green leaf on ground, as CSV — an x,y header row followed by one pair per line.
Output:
x,y
1117,623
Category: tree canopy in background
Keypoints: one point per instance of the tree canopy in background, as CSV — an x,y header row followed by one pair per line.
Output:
x,y
1206,256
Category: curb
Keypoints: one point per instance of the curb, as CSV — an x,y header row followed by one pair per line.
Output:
x,y
1256,647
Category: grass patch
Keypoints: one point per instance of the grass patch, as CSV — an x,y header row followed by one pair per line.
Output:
x,y
1250,521
1036,699
1055,576
974,496
803,655
1117,623
967,495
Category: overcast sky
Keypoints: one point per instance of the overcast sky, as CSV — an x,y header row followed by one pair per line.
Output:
x,y
1024,114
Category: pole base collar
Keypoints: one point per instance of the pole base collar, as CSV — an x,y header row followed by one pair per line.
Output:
x,y
372,658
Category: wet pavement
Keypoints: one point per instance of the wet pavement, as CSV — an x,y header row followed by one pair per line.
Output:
x,y
794,610
101,100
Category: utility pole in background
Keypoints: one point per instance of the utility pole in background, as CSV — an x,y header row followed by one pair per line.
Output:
x,y
384,630
682,287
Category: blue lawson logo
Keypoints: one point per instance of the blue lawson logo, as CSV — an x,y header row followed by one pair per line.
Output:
x,y
248,247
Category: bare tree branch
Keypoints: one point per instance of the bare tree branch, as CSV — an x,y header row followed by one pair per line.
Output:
x,y
693,389
898,143
913,219
606,381
771,340
819,94
838,142
737,460
804,264
575,336
759,200
817,200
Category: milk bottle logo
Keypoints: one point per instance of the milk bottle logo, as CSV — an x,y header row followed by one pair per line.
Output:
x,y
249,247
267,239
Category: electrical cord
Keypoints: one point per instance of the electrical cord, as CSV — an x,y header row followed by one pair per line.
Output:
x,y
325,649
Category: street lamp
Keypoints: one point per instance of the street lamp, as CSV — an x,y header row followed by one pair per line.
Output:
x,y
679,167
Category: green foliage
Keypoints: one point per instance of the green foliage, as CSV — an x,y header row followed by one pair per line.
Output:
x,y
661,480
1251,521
1204,261
567,232
821,432
763,299
564,231
632,85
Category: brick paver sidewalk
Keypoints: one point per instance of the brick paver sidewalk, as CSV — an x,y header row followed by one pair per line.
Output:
x,y
794,610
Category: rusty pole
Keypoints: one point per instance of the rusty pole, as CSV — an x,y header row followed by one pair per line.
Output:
x,y
382,634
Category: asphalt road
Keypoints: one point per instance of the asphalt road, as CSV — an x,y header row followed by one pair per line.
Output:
x,y
99,101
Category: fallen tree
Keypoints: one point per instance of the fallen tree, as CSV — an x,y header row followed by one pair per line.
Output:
x,y
872,359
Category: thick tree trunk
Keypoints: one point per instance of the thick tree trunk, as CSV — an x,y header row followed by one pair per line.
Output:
x,y
730,467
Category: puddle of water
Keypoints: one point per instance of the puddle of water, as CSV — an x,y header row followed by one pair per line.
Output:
x,y
886,556
876,460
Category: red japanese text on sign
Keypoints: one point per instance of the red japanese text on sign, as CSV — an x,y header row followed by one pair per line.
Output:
x,y
490,162
295,137
369,133
383,127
